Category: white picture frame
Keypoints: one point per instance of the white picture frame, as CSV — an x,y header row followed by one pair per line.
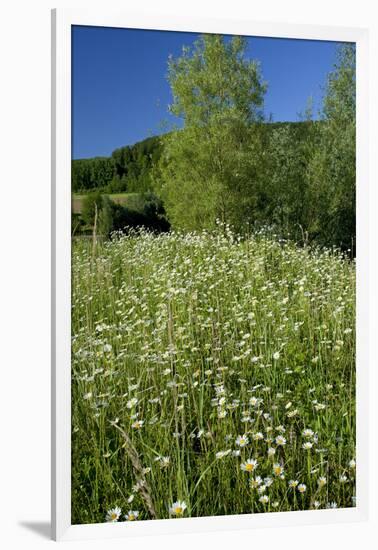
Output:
x,y
62,20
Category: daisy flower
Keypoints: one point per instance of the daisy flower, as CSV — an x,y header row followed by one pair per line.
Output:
x,y
280,440
264,499
132,515
242,440
113,514
271,451
278,469
137,424
255,482
177,508
254,401
268,481
302,488
165,461
321,482
249,465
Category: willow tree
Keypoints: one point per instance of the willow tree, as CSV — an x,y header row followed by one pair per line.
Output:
x,y
332,170
211,168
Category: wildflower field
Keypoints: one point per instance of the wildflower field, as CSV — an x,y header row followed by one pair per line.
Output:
x,y
211,374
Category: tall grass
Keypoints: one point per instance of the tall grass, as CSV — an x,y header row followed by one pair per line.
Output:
x,y
182,343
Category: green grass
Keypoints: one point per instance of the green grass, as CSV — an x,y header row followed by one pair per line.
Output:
x,y
126,199
182,343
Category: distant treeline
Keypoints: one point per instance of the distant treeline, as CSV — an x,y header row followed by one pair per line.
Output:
x,y
127,170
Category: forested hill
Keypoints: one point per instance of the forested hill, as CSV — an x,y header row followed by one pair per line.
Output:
x,y
128,169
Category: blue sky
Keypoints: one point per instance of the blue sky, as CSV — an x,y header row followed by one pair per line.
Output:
x,y
120,92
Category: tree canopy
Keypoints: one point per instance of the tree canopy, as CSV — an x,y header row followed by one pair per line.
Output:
x,y
210,169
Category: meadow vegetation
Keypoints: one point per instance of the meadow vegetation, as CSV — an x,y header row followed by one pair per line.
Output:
x,y
213,371
213,323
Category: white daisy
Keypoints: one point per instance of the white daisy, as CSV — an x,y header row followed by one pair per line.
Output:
x,y
177,508
249,465
137,424
242,440
271,451
322,481
255,482
278,469
132,515
113,514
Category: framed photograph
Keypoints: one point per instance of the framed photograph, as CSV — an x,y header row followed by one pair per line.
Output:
x,y
210,305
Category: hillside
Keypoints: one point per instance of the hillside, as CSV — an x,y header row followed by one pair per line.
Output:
x,y
126,170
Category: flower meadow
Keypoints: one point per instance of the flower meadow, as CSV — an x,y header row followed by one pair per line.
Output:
x,y
212,374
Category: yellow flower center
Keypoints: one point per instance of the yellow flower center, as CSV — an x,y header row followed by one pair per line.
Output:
x,y
114,516
131,517
178,510
249,467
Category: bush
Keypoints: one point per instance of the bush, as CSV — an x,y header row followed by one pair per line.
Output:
x,y
104,206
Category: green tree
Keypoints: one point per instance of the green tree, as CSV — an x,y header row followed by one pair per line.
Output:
x,y
212,168
289,149
332,169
